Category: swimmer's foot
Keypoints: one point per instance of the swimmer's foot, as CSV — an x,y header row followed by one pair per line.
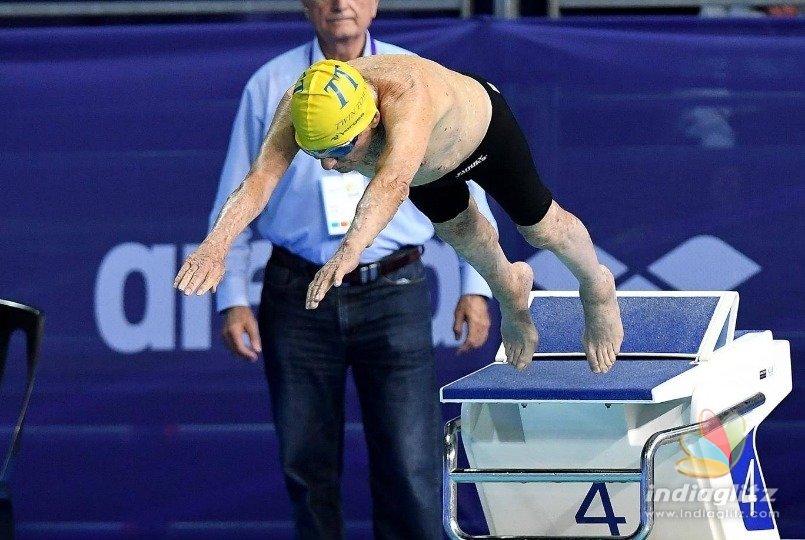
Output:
x,y
516,327
603,329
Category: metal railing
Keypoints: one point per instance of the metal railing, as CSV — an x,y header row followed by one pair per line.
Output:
x,y
452,475
504,9
555,6
52,9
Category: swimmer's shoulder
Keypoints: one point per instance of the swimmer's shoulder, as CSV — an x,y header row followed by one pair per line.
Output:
x,y
393,65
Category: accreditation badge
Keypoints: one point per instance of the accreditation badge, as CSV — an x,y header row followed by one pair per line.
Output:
x,y
340,194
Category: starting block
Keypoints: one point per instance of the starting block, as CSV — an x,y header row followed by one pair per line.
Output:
x,y
662,446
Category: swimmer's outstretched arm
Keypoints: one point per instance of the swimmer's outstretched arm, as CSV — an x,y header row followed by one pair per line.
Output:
x,y
204,268
408,120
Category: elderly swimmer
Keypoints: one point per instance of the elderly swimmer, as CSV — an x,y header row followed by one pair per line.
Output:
x,y
420,130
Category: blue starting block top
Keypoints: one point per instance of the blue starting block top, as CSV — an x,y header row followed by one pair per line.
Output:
x,y
670,324
651,325
665,333
631,379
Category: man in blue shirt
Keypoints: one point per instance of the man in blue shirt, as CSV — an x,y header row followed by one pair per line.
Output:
x,y
379,325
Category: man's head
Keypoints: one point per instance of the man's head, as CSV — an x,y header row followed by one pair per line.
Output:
x,y
337,20
331,106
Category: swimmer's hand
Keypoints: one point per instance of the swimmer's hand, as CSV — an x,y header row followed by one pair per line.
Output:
x,y
343,261
201,271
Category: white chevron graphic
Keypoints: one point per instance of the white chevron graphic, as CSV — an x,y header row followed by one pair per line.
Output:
x,y
701,263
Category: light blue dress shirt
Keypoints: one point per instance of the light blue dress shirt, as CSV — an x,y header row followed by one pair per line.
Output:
x,y
294,217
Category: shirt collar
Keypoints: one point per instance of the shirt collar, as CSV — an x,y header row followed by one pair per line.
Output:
x,y
316,54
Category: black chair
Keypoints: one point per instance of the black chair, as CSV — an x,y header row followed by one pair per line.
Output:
x,y
13,317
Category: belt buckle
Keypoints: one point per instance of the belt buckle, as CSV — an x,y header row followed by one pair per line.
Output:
x,y
369,273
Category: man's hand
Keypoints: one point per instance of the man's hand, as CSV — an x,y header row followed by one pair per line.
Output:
x,y
239,320
472,309
201,271
343,261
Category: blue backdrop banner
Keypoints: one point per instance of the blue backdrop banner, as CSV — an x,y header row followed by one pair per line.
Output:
x,y
678,141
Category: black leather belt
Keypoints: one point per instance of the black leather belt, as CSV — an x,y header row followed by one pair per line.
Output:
x,y
363,274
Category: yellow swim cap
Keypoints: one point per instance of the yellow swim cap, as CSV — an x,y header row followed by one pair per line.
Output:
x,y
330,105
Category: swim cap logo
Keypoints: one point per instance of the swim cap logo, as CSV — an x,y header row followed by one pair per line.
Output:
x,y
337,72
353,117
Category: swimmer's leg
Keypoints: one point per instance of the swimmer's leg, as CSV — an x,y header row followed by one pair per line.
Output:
x,y
474,238
563,234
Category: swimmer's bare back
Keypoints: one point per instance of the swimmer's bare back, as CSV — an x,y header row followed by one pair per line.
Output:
x,y
460,109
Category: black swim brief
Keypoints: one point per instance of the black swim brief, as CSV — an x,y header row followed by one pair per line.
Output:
x,y
502,165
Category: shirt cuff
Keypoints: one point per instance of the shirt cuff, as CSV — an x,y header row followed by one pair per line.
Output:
x,y
231,292
472,282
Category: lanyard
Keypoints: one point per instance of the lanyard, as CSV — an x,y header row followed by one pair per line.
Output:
x,y
372,50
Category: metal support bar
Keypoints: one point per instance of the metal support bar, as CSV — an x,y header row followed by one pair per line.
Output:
x,y
507,9
452,475
471,476
466,9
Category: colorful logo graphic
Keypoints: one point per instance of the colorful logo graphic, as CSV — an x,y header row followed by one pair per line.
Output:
x,y
715,450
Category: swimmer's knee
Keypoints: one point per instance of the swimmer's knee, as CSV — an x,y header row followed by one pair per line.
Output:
x,y
552,231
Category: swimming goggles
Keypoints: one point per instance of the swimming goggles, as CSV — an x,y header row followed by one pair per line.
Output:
x,y
335,152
